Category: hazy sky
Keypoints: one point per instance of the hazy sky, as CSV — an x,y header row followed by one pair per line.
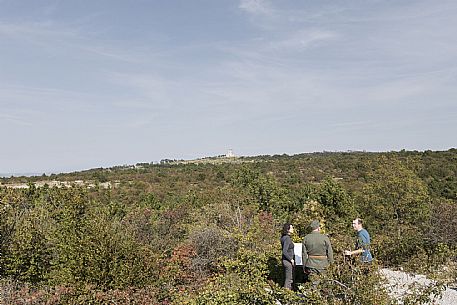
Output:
x,y
88,83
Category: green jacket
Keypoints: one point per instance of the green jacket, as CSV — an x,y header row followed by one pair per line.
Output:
x,y
317,251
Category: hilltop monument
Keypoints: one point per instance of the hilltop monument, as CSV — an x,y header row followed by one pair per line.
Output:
x,y
230,154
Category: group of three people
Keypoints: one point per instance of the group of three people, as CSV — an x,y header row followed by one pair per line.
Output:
x,y
317,252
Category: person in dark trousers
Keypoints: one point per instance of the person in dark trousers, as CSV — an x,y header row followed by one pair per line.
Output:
x,y
362,245
287,255
317,251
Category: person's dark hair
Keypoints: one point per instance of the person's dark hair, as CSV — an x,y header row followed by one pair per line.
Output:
x,y
359,221
285,228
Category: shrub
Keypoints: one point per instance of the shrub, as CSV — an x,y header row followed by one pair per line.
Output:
x,y
244,282
211,245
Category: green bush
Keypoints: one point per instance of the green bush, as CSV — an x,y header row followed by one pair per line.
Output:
x,y
28,257
244,282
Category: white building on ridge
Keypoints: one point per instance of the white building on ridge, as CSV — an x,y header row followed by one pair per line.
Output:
x,y
230,154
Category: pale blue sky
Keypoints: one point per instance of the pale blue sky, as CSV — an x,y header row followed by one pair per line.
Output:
x,y
88,83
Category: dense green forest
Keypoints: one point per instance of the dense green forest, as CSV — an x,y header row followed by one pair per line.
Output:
x,y
208,232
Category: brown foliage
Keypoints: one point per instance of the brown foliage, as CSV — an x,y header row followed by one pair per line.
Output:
x,y
443,223
14,293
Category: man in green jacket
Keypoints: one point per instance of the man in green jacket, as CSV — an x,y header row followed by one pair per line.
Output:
x,y
317,251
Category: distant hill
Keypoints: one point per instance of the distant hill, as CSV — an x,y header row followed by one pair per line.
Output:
x,y
8,175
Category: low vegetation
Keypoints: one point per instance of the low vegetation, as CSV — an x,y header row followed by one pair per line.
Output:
x,y
208,232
